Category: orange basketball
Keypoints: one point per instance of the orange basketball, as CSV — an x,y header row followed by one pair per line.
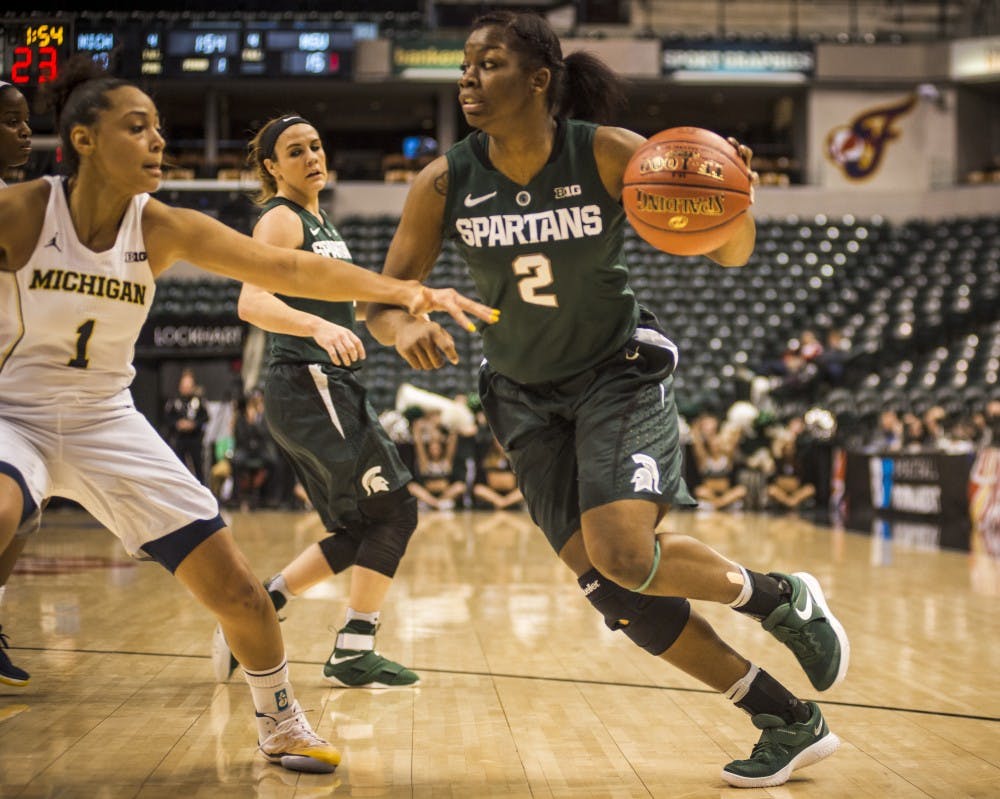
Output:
x,y
685,190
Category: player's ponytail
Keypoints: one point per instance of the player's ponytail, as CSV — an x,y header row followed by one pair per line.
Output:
x,y
75,98
592,90
582,86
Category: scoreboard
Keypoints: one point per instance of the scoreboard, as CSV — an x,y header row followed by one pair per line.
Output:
x,y
34,51
229,49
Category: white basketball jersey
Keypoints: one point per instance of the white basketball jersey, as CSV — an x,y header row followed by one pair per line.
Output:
x,y
70,317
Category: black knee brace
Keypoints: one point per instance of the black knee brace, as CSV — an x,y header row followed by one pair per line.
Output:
x,y
651,622
340,550
390,521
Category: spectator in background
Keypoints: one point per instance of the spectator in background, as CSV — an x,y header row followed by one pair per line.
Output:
x,y
787,487
754,459
253,451
496,484
186,418
809,346
888,435
990,434
832,362
914,433
713,451
935,432
435,484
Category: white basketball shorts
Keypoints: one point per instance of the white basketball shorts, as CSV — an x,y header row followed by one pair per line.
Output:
x,y
109,459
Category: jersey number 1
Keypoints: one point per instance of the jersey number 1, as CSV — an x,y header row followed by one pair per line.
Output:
x,y
535,270
83,334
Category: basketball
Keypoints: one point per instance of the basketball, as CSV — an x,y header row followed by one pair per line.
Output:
x,y
685,190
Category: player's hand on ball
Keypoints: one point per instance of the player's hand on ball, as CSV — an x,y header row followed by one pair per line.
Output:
x,y
746,154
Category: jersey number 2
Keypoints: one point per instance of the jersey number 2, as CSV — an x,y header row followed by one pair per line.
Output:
x,y
83,334
536,273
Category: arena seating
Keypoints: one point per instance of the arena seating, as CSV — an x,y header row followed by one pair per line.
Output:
x,y
918,302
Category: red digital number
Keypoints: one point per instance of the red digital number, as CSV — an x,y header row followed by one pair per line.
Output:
x,y
48,64
22,64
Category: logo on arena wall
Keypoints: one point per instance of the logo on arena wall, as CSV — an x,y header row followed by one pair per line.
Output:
x,y
373,482
647,476
857,148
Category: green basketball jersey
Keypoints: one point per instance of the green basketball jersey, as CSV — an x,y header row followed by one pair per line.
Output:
x,y
548,255
319,236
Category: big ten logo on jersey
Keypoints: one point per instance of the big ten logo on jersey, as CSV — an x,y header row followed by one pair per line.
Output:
x,y
332,249
562,192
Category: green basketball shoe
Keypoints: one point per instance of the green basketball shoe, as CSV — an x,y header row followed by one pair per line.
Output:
x,y
781,749
353,666
806,625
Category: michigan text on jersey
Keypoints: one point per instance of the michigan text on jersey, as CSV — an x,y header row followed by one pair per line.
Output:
x,y
93,285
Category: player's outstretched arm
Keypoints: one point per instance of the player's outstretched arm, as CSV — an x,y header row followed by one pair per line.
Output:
x,y
174,234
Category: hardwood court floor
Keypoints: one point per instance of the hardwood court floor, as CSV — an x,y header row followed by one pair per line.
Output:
x,y
524,693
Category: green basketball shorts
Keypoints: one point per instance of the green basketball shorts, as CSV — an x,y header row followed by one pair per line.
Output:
x,y
606,434
322,420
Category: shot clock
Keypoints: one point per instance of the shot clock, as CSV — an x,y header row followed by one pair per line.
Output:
x,y
34,51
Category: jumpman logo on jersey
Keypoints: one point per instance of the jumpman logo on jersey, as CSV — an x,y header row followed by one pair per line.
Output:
x,y
54,242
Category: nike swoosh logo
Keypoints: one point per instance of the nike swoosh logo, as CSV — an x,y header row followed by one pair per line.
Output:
x,y
313,231
807,611
471,202
631,356
819,726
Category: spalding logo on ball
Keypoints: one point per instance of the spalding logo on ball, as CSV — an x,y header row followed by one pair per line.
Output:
x,y
686,190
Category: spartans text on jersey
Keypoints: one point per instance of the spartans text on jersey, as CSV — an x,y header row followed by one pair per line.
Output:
x,y
507,230
93,285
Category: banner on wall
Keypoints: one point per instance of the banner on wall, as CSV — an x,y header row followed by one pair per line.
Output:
x,y
188,338
921,499
858,148
739,60
975,59
425,58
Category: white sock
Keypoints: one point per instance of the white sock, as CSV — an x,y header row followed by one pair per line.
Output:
x,y
371,618
357,641
271,690
279,585
739,689
745,592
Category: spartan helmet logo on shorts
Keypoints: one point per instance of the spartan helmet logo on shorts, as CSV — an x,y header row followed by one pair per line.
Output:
x,y
373,481
647,476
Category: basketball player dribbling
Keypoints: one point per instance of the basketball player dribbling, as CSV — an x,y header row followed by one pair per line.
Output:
x,y
81,255
532,200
